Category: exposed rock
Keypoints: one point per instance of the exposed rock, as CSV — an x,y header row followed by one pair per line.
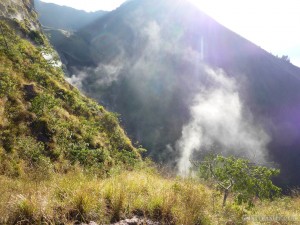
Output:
x,y
136,221
133,221
90,223
21,11
29,91
93,223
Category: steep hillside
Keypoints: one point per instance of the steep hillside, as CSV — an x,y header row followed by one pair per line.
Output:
x,y
184,85
45,123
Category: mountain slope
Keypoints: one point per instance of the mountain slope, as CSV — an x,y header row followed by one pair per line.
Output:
x,y
45,121
185,85
61,21
63,17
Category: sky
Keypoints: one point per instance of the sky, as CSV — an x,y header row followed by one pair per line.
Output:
x,y
271,24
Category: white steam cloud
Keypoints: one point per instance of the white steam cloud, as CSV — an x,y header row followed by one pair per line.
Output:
x,y
110,73
219,119
76,80
106,73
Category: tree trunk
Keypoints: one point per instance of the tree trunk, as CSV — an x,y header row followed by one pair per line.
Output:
x,y
226,192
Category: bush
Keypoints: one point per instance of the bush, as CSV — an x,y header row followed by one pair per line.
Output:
x,y
80,152
39,167
43,103
7,85
36,37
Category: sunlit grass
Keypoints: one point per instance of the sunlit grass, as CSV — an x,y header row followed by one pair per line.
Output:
x,y
285,210
76,196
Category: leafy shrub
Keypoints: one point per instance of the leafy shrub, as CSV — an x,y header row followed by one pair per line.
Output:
x,y
9,165
80,152
29,149
110,121
43,103
240,177
36,37
7,85
33,153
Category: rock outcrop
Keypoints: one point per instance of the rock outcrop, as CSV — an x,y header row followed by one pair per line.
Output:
x,y
21,11
133,221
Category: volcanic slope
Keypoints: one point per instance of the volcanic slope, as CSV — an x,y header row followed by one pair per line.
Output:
x,y
155,62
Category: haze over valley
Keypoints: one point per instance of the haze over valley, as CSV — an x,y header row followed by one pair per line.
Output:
x,y
184,84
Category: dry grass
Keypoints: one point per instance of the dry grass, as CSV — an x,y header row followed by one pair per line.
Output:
x,y
75,196
285,211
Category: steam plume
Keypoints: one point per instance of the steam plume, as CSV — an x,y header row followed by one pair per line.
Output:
x,y
220,120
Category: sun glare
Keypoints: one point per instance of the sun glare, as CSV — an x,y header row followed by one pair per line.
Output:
x,y
266,23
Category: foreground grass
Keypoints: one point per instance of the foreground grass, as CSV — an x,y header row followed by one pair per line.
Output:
x,y
75,196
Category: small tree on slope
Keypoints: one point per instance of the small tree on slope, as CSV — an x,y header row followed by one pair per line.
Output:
x,y
240,177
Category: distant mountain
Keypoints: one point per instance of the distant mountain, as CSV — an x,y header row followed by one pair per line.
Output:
x,y
185,85
63,17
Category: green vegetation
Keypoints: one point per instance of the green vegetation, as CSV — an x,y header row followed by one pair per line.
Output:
x,y
44,120
246,180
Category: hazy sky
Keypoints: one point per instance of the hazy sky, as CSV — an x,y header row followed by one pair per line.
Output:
x,y
271,24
